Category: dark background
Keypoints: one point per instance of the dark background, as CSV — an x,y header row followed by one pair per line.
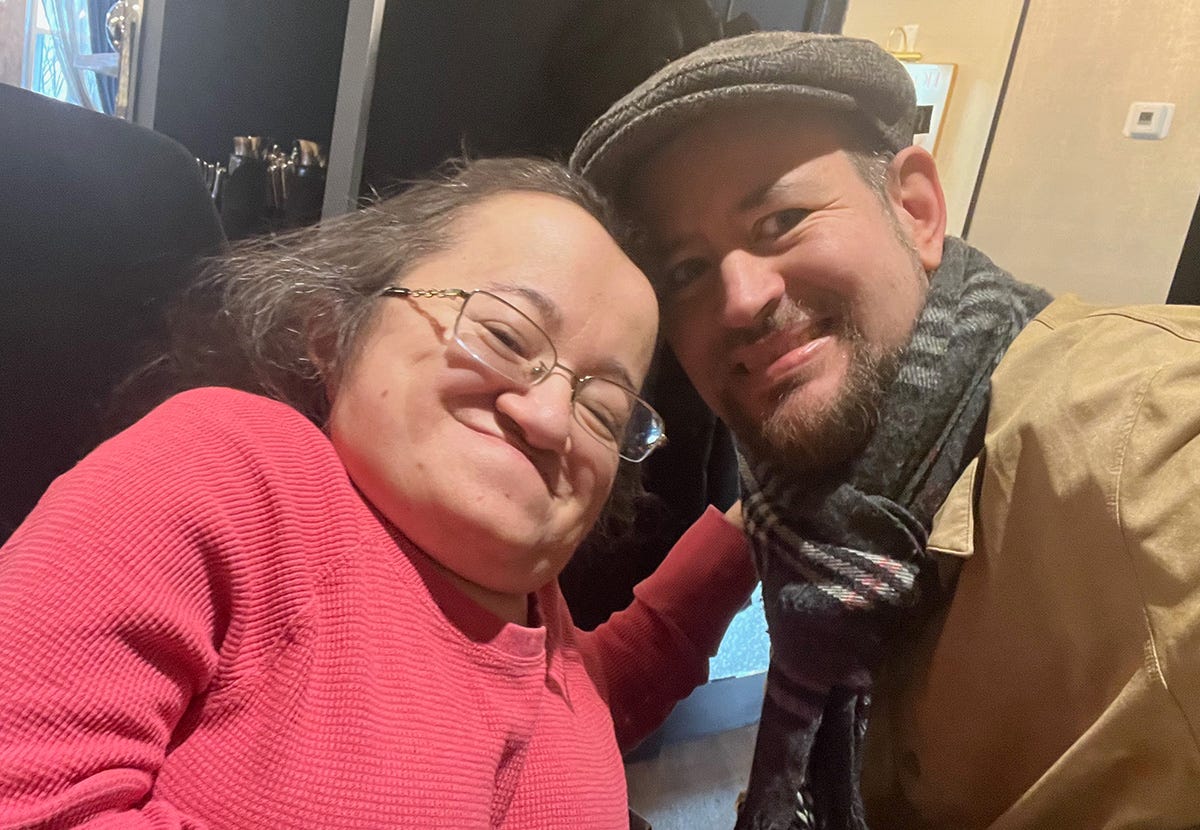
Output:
x,y
232,67
487,75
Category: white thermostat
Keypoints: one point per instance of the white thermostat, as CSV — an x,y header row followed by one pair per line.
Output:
x,y
1148,120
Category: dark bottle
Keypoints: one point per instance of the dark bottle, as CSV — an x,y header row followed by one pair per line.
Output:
x,y
304,184
245,197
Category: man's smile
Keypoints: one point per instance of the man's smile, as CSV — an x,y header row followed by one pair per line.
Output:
x,y
772,358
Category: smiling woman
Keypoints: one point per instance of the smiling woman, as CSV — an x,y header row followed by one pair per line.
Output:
x,y
409,408
318,588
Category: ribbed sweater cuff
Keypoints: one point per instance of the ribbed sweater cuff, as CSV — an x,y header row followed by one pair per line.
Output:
x,y
704,581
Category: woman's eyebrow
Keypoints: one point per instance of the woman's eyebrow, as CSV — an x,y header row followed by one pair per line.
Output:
x,y
547,308
615,370
552,319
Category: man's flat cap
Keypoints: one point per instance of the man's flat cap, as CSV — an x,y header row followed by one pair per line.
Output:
x,y
793,68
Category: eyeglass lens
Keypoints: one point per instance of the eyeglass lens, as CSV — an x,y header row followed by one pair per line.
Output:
x,y
503,338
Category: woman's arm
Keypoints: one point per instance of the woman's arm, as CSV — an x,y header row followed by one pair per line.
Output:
x,y
654,653
117,598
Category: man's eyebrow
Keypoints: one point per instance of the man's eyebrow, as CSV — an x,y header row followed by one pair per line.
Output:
x,y
763,194
756,198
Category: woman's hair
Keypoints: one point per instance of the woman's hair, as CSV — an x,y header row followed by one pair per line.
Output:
x,y
284,316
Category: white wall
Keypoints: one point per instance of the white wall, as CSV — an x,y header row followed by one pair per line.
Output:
x,y
1067,201
975,34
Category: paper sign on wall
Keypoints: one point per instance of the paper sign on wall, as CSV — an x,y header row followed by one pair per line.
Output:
x,y
933,82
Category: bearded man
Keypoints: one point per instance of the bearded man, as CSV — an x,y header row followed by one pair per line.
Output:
x,y
974,511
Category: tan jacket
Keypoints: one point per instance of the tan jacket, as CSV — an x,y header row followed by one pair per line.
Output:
x,y
1061,687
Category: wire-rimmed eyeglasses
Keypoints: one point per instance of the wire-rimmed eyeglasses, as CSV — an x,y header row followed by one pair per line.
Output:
x,y
503,338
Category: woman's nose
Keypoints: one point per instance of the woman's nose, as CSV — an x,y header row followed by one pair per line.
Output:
x,y
752,288
541,412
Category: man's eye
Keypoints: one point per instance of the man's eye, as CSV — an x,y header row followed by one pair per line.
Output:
x,y
780,222
684,273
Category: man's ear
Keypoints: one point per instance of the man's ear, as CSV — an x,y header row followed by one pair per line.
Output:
x,y
919,203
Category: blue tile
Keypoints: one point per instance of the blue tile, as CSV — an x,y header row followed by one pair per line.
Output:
x,y
746,649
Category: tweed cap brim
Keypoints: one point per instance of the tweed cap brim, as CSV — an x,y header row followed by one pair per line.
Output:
x,y
826,72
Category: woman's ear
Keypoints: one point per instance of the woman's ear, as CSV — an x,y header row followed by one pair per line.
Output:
x,y
919,204
320,345
325,377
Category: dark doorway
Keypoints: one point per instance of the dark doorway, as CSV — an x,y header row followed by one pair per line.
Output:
x,y
1185,289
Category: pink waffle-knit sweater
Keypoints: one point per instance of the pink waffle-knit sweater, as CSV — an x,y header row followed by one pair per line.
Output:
x,y
204,625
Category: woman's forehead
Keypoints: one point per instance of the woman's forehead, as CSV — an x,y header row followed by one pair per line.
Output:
x,y
548,244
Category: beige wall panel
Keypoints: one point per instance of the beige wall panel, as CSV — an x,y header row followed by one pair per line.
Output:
x,y
12,40
975,34
1068,201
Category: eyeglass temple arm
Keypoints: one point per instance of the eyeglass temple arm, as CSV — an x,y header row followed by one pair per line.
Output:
x,y
401,291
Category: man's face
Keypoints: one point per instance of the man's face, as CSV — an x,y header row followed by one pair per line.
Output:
x,y
789,287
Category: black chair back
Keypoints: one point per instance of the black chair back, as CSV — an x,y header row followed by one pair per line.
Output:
x,y
101,223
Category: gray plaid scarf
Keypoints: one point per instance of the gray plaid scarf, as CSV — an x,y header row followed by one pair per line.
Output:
x,y
843,560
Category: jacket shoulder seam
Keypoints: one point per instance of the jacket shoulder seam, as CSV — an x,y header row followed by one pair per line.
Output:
x,y
1153,661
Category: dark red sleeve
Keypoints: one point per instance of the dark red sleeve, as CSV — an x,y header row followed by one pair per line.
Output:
x,y
653,654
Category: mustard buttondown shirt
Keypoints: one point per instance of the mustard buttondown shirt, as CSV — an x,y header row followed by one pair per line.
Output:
x,y
1061,686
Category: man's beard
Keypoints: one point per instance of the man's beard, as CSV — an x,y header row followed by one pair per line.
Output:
x,y
812,441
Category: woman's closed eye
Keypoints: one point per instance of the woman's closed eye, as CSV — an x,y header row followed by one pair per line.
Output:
x,y
604,420
504,340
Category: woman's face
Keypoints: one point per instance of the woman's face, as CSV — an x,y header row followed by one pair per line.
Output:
x,y
496,483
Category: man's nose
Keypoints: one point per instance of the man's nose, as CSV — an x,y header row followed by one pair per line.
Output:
x,y
752,286
541,412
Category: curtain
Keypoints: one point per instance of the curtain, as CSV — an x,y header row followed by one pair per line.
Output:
x,y
72,38
97,12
